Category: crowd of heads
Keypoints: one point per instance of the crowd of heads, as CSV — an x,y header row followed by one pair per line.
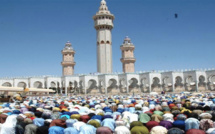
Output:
x,y
118,114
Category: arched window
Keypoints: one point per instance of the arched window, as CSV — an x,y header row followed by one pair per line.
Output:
x,y
102,42
108,42
7,84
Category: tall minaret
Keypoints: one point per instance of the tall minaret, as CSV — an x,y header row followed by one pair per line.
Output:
x,y
103,25
68,59
127,59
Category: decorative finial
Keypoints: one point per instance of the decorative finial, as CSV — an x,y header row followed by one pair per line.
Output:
x,y
127,40
68,45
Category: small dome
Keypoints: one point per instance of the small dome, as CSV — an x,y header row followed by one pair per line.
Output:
x,y
68,46
103,2
127,40
103,7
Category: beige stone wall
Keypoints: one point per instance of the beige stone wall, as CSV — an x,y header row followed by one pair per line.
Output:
x,y
128,67
68,57
128,54
68,70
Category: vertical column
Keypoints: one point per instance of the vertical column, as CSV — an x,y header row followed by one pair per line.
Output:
x,y
105,90
61,90
85,91
206,86
150,86
173,84
197,86
66,90
173,87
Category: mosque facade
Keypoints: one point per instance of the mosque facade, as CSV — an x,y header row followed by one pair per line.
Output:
x,y
109,83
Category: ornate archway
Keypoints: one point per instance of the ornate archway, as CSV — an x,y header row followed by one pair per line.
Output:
x,y
202,83
155,87
112,88
92,87
70,88
7,84
22,84
134,87
178,84
38,84
53,86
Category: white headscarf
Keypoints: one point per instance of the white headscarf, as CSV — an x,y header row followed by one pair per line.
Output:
x,y
122,130
9,126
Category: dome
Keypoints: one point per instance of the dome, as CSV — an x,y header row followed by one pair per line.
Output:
x,y
103,2
68,46
127,40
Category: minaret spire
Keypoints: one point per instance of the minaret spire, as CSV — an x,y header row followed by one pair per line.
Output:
x,y
128,58
68,59
104,24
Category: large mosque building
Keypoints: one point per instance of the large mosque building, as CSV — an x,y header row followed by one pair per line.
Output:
x,y
107,82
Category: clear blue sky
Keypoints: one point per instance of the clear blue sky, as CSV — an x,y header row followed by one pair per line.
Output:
x,y
33,33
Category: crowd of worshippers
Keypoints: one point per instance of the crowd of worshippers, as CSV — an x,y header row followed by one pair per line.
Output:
x,y
147,114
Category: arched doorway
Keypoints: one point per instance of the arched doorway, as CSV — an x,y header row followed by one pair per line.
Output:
x,y
70,89
134,87
92,87
53,86
178,84
155,87
38,84
202,83
7,84
112,88
22,84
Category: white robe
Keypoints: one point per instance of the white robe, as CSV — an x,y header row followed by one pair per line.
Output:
x,y
9,126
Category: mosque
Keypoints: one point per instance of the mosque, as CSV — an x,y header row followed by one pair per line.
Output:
x,y
107,82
